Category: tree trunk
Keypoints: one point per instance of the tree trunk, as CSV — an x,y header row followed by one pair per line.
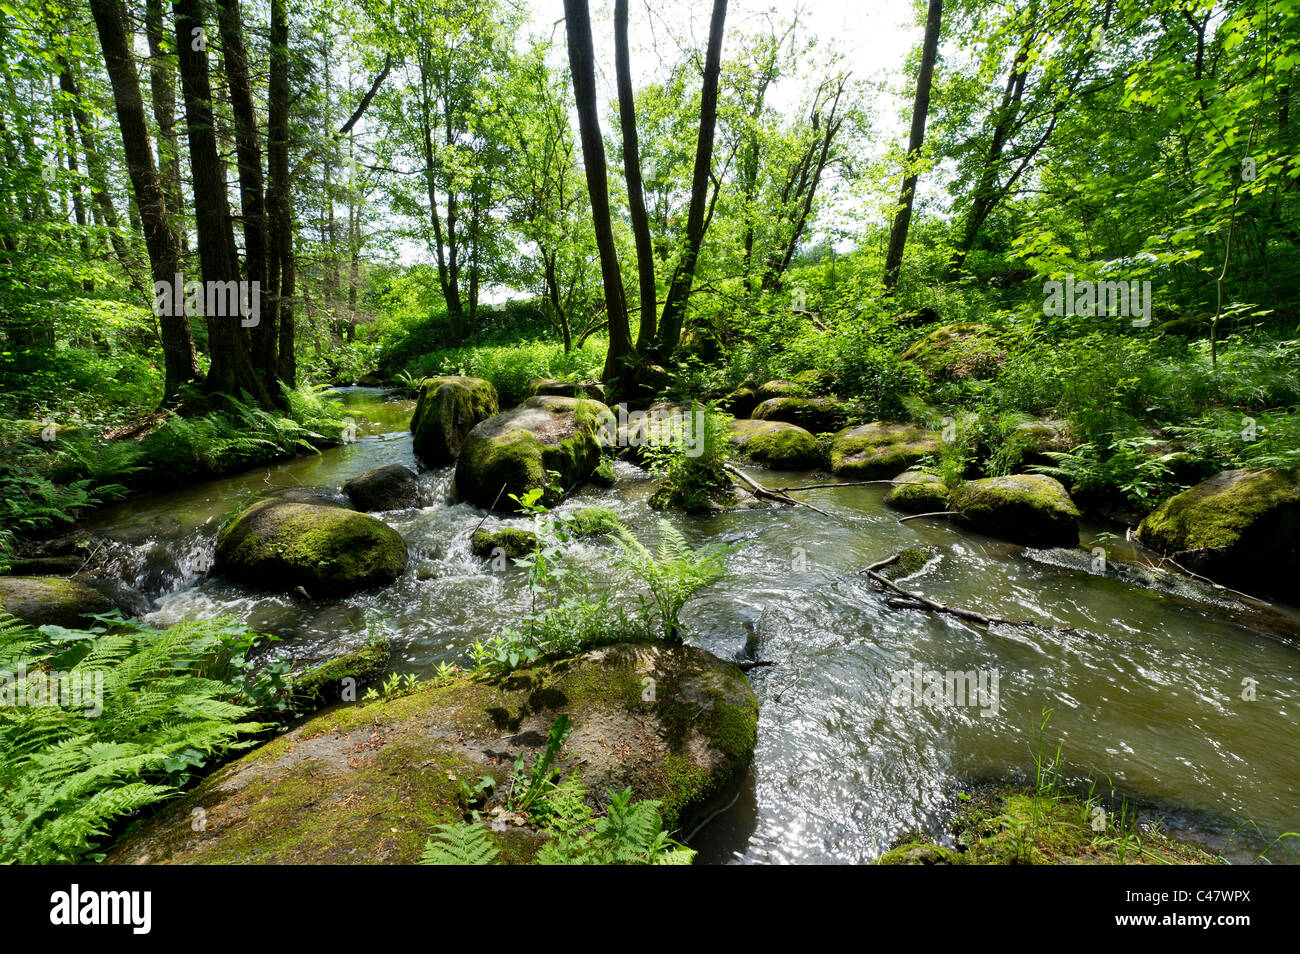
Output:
x,y
679,290
162,87
280,264
645,262
179,358
920,107
582,63
232,371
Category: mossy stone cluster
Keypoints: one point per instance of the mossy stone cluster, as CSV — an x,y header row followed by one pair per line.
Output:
x,y
775,444
918,491
1030,509
367,782
512,452
815,414
1240,527
958,351
328,551
881,449
447,409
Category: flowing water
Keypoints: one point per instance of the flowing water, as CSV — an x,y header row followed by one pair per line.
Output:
x,y
1146,693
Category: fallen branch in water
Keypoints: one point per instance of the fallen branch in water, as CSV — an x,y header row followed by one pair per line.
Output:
x,y
748,664
844,483
917,601
766,493
953,514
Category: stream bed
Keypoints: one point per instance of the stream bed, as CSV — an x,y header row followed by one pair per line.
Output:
x,y
1146,692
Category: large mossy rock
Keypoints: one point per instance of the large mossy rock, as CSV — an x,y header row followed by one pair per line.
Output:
x,y
367,782
1031,509
328,551
918,491
390,487
775,444
51,600
815,414
511,452
959,351
446,411
1240,527
553,387
879,450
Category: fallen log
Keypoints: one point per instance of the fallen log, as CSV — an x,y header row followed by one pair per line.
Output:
x,y
767,493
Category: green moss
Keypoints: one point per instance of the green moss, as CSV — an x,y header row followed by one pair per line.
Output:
x,y
880,450
326,550
814,414
958,351
1009,825
41,600
447,409
1031,509
513,452
594,521
776,444
322,685
921,492
514,543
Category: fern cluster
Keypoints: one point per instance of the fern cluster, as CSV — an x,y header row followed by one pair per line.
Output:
x,y
628,833
164,710
672,573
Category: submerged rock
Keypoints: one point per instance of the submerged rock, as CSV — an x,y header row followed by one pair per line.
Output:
x,y
813,414
510,541
391,487
918,492
879,450
50,600
512,452
327,551
367,782
447,409
1241,528
775,444
319,496
1030,509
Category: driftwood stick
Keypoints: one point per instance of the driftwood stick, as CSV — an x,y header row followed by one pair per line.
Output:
x,y
845,483
953,514
765,493
922,602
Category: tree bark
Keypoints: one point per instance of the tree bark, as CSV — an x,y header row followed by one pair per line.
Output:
x,y
280,262
582,64
179,357
645,262
920,108
162,87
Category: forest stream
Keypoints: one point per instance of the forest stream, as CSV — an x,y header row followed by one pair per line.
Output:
x,y
1145,690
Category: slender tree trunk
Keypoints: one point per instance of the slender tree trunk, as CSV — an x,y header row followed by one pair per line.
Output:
x,y
582,64
645,261
280,264
262,336
179,357
920,108
162,87
679,290
232,371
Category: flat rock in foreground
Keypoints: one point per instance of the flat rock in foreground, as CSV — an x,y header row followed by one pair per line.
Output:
x,y
366,782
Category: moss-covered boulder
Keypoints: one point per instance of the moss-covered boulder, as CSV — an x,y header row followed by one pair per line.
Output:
x,y
879,450
512,452
741,401
1031,509
61,565
781,388
593,521
959,351
510,541
918,491
340,678
813,414
447,409
775,444
367,782
390,487
327,551
1240,528
553,387
51,600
